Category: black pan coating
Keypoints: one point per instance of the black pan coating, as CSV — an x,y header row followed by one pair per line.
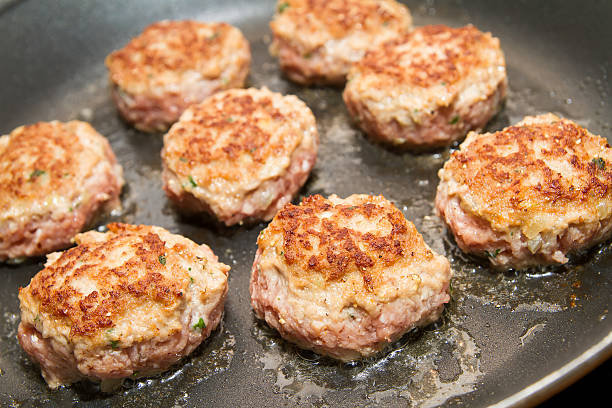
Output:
x,y
500,334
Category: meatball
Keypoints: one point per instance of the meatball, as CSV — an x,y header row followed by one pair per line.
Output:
x,y
530,194
317,40
55,179
172,65
126,303
345,277
428,88
240,155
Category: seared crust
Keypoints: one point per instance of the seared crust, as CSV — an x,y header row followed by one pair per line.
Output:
x,y
317,40
166,50
430,56
536,180
116,292
57,286
129,268
344,277
173,64
53,173
318,239
535,175
450,79
39,160
226,149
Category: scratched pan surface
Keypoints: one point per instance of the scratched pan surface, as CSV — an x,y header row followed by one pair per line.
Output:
x,y
501,334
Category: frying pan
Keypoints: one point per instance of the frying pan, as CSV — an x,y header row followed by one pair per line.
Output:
x,y
510,339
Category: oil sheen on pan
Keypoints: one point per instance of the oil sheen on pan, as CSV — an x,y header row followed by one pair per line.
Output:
x,y
501,333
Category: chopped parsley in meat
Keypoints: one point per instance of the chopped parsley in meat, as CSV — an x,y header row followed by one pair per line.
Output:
x,y
493,254
36,173
600,163
200,324
282,7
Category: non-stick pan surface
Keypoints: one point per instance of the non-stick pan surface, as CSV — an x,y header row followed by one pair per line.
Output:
x,y
513,338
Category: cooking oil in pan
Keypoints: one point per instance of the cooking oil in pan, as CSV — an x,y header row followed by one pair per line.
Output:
x,y
424,368
427,367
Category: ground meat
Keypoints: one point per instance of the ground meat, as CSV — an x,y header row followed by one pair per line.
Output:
x,y
126,303
345,277
55,179
174,64
240,155
530,194
428,88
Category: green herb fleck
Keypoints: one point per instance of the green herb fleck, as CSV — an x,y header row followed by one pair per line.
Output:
x,y
283,6
37,319
600,163
454,120
200,324
114,344
493,254
70,209
36,173
191,278
282,253
192,181
162,259
443,83
416,111
183,159
229,119
213,36
352,207
308,55
385,23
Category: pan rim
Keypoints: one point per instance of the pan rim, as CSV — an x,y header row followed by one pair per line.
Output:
x,y
548,385
561,378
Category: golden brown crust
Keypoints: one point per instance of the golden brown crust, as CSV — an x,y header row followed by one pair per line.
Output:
x,y
544,168
126,267
231,114
333,238
167,48
317,41
235,136
31,160
48,159
339,17
429,56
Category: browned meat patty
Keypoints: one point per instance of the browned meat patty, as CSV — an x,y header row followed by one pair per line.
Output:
x,y
345,277
530,194
55,179
428,88
173,64
240,155
128,302
317,40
